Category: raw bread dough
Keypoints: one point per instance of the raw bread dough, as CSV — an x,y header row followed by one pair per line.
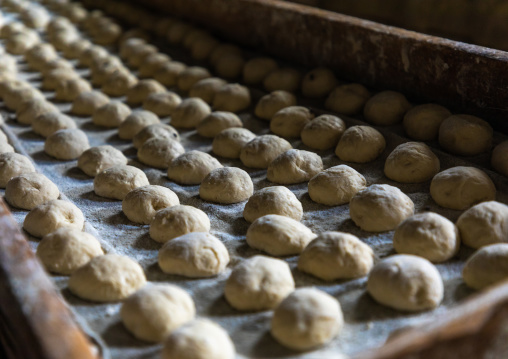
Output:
x,y
92,53
422,122
205,89
203,46
380,208
257,69
117,181
162,103
483,224
194,255
88,102
28,190
6,148
139,53
318,82
135,122
499,158
262,150
224,49
52,78
66,249
141,204
191,75
229,66
156,310
323,132
216,122
229,142
259,283
348,99
428,235
386,108
360,144
192,167
49,216
486,267
107,278
279,235
97,159
190,113
15,98
159,152
111,114
13,165
273,200
129,46
141,90
119,83
29,110
336,185
465,135
270,104
66,144
306,319
76,48
294,166
158,130
226,185
40,54
411,162
232,98
290,121
68,90
50,122
462,187
177,32
168,74
336,255
286,79
105,70
152,64
406,282
175,221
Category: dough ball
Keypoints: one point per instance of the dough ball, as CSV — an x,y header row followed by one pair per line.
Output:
x,y
159,152
162,103
406,282
144,88
257,69
168,74
428,235
348,99
88,102
488,266
273,200
279,235
202,47
66,249
411,162
380,208
177,32
152,64
119,83
191,75
262,150
52,78
294,166
49,216
229,66
386,108
29,110
141,204
15,98
111,114
336,185
226,185
19,44
58,64
156,310
216,122
224,49
158,130
323,132
499,158
29,190
206,89
270,104
259,283
105,70
116,182
193,36
422,122
129,46
462,187
70,89
107,278
232,98
318,82
97,159
286,79
192,167
190,113
229,142
76,48
306,319
483,224
13,165
175,221
290,121
465,135
66,144
200,339
48,123
360,144
139,53
39,55
135,122
6,148
194,255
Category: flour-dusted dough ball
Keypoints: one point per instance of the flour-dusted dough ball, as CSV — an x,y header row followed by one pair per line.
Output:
x,y
152,64
200,339
66,249
19,44
306,319
191,75
129,46
192,167
162,103
348,99
290,121
323,132
462,187
229,66
232,98
411,162
406,282
29,190
13,165
465,135
262,150
88,102
177,31
40,54
428,235
273,200
141,204
92,53
294,166
135,122
224,49
318,82
119,83
70,89
155,310
286,79
48,123
140,53
144,88
386,108
190,113
194,255
111,114
158,130
107,278
97,159
52,78
168,73
6,148
336,185
206,89
49,216
360,144
270,104
216,122
229,142
226,185
499,158
76,48
483,224
257,69
105,70
259,283
159,152
380,208
175,221
29,110
203,46
66,144
422,122
488,266
15,98
116,182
